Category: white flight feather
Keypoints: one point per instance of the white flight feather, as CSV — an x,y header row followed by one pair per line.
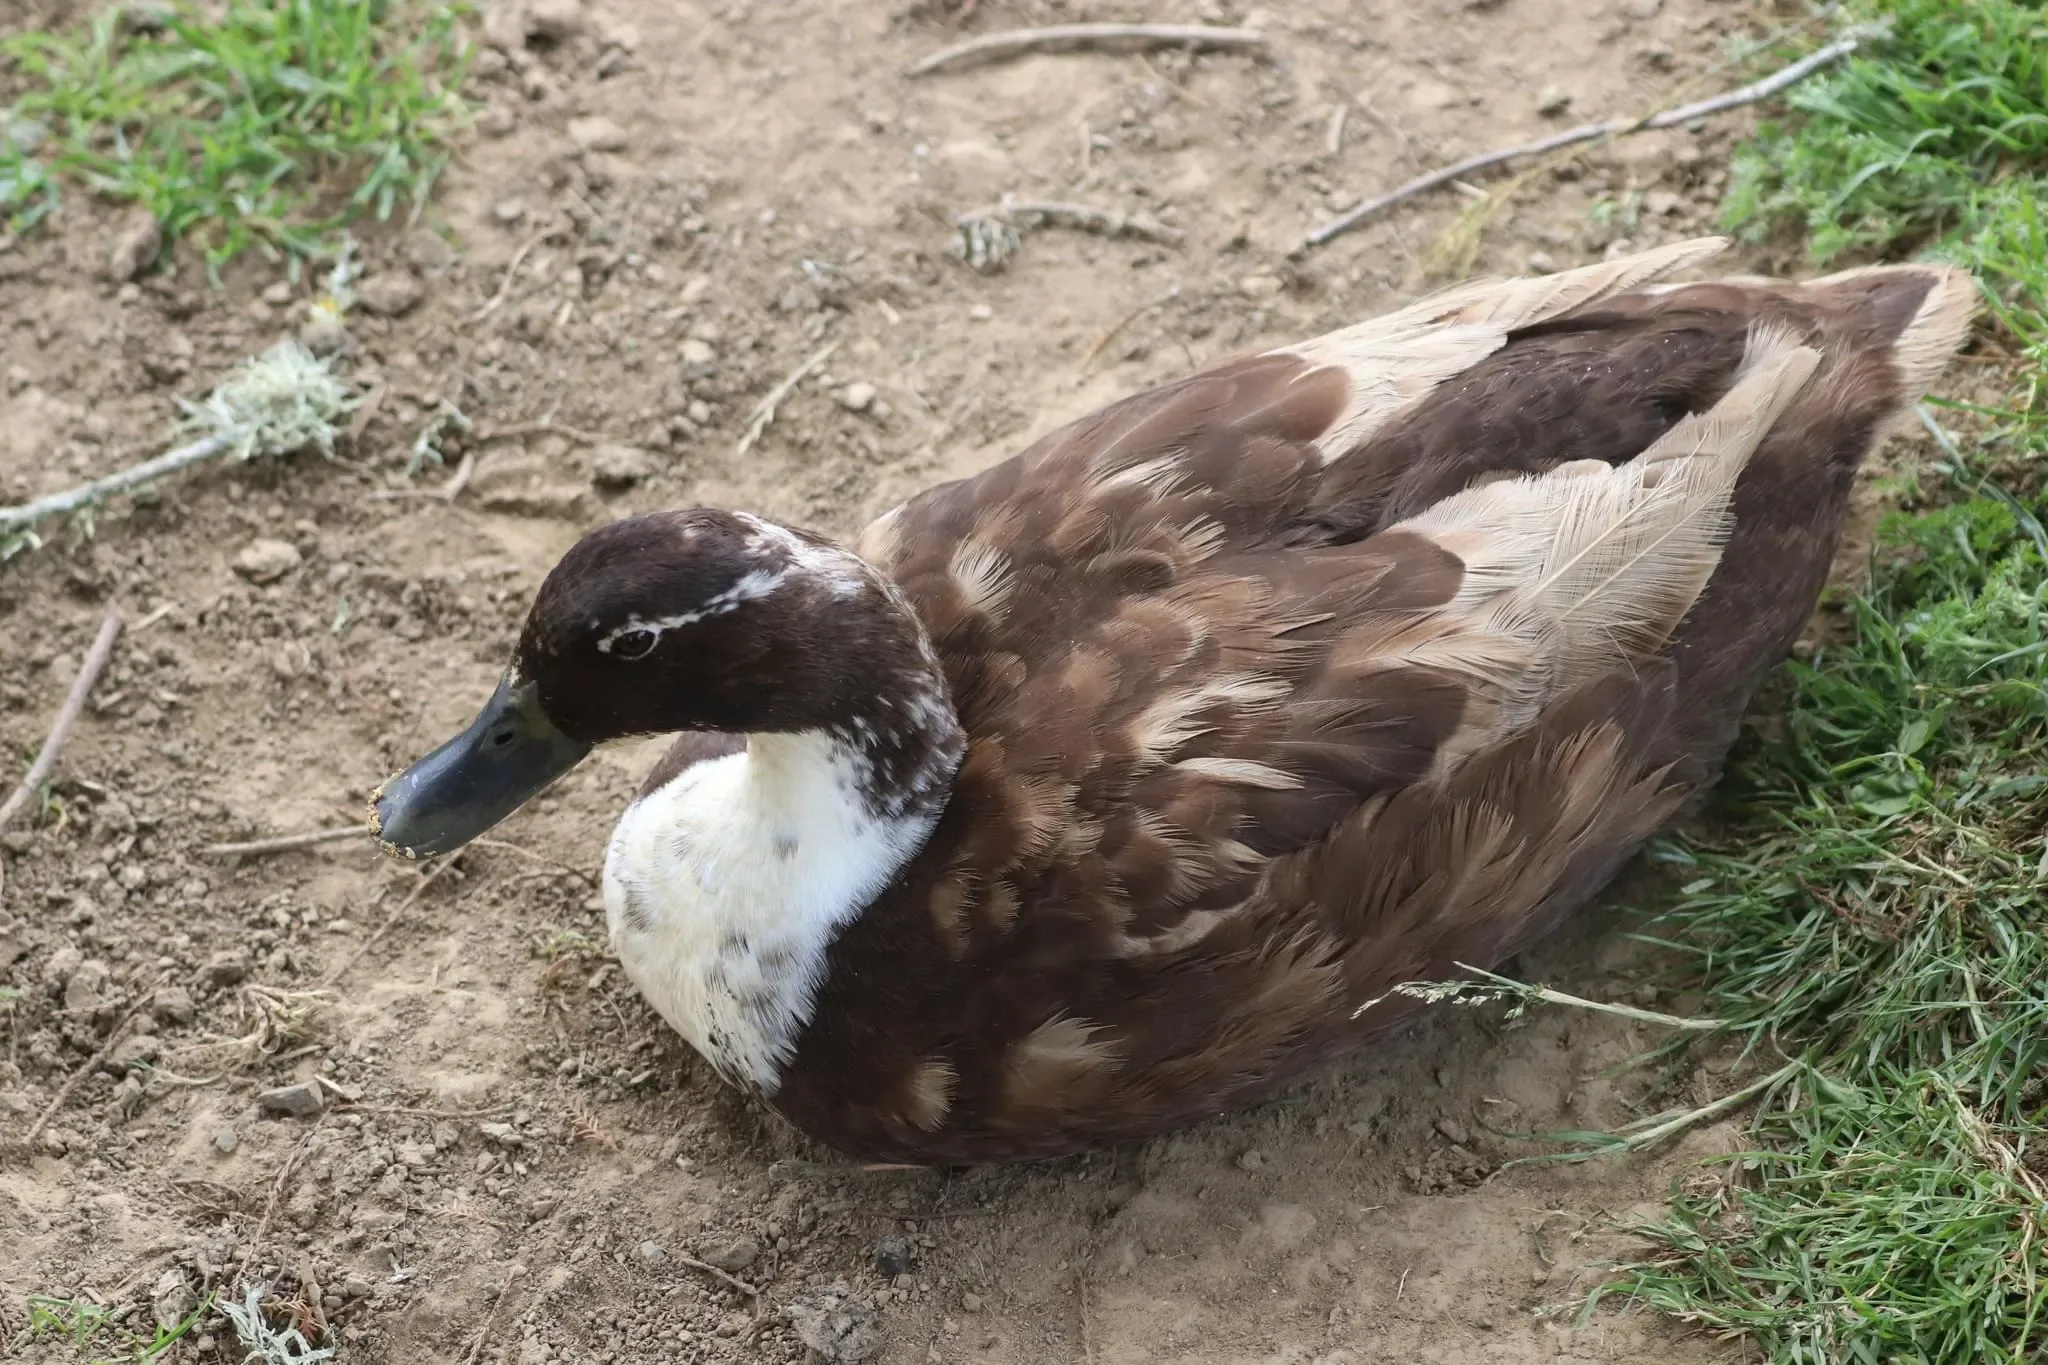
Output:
x,y
1588,567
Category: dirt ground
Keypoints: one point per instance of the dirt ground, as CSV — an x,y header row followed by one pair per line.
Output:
x,y
667,207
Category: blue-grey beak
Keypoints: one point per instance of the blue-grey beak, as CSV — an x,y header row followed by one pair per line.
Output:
x,y
509,753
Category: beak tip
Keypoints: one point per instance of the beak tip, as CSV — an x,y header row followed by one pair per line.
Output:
x,y
381,825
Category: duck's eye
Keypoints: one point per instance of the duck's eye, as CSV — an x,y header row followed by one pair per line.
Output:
x,y
633,644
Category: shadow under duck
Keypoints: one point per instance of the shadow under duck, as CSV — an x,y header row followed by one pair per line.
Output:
x,y
1095,794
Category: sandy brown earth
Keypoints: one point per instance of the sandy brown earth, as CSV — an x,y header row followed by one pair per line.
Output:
x,y
664,210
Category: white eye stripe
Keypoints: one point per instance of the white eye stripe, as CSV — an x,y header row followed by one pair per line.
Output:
x,y
748,588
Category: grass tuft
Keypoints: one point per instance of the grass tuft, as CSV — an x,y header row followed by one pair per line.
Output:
x,y
264,123
1942,129
1867,922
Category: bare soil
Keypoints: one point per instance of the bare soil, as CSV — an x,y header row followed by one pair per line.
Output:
x,y
665,209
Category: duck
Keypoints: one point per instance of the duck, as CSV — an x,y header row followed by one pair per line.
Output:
x,y
1118,786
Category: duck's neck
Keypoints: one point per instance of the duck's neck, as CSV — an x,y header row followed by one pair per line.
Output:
x,y
726,887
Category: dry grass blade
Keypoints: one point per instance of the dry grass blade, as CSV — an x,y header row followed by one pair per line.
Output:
x,y
990,47
764,412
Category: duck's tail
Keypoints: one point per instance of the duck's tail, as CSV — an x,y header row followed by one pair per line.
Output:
x,y
1917,316
1884,333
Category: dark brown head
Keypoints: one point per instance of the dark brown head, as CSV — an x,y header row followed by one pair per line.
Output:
x,y
696,620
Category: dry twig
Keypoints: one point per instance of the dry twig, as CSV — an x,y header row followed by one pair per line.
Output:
x,y
521,430
731,1281
497,300
1590,132
1084,37
1116,328
92,1064
412,898
764,413
285,843
67,715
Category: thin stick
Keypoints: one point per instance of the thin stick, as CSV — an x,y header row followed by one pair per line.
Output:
x,y
543,428
92,1064
67,715
445,492
1085,217
765,412
407,1111
1589,132
1333,136
1116,328
277,1189
285,843
512,1277
511,273
198,452
715,1273
378,933
1080,37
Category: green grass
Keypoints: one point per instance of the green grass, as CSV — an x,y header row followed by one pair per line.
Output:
x,y
1870,918
270,124
91,1329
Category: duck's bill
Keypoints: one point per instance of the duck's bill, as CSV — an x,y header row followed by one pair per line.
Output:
x,y
509,753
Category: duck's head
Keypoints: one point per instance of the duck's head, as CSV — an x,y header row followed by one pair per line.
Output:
x,y
697,620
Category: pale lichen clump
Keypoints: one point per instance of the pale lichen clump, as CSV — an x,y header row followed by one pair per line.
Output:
x,y
284,400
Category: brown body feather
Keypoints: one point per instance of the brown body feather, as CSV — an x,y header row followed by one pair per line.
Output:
x,y
1244,749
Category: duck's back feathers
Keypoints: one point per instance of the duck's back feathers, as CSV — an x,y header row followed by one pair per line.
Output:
x,y
1329,668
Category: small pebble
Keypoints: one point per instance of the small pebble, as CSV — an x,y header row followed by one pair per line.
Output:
x,y
1541,263
552,21
301,1101
651,1254
895,1256
1453,1131
733,1256
597,134
509,211
278,294
225,968
620,466
1554,101
389,295
135,246
981,312
696,352
1251,1160
266,560
324,334
971,1302
225,1141
857,397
